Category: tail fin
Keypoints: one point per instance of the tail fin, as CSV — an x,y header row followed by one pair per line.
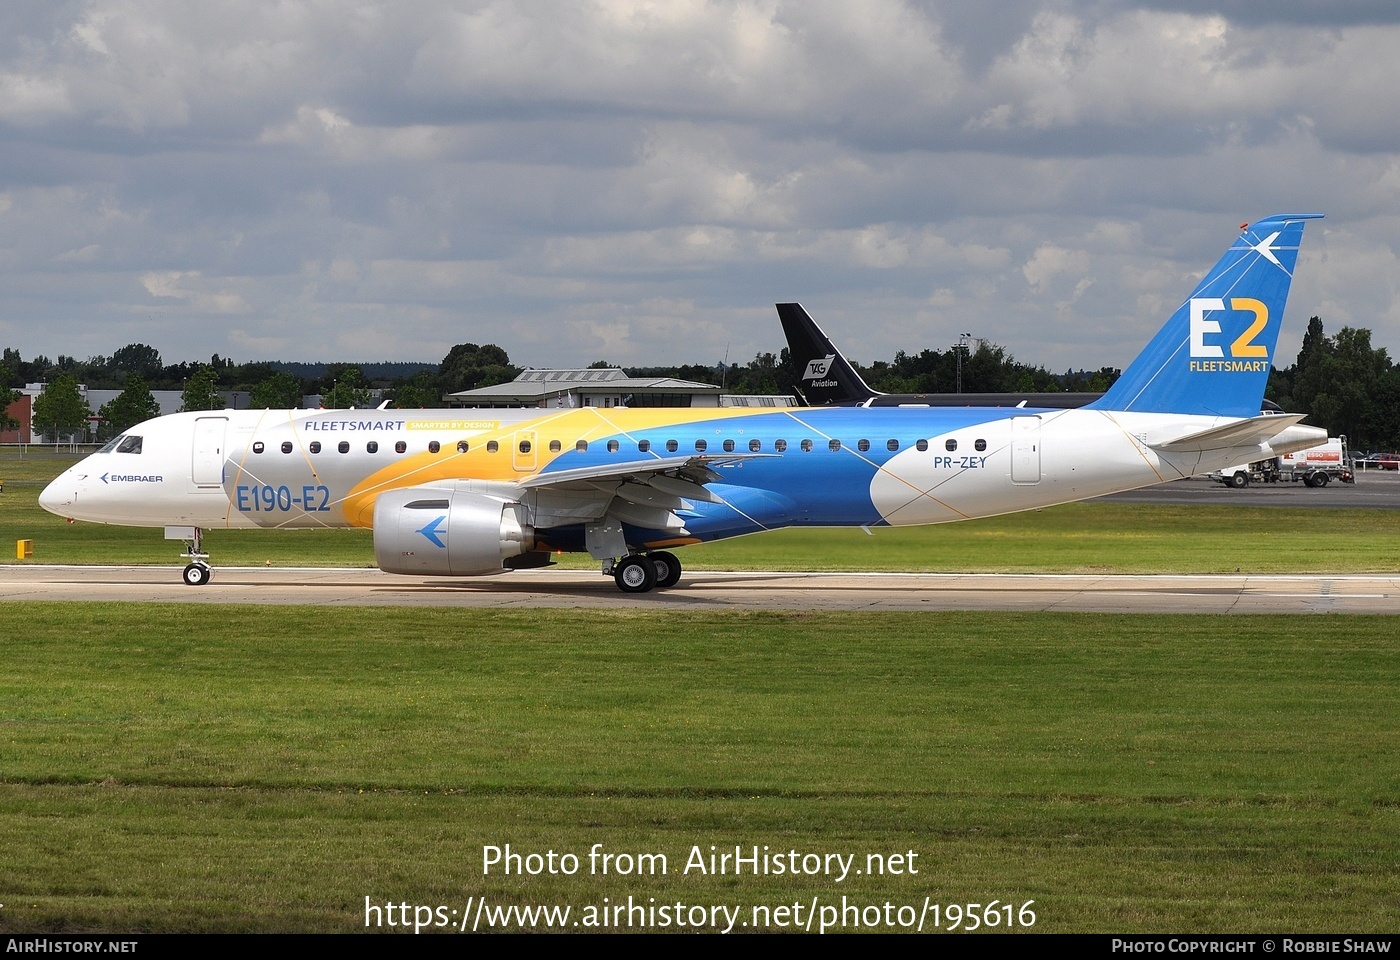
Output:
x,y
1213,355
826,376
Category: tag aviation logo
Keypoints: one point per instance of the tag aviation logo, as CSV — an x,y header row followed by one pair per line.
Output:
x,y
1208,344
817,369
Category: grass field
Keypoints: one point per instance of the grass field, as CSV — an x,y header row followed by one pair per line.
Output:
x,y
1097,537
173,768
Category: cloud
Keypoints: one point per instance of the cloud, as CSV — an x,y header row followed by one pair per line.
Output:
x,y
176,284
1051,262
381,181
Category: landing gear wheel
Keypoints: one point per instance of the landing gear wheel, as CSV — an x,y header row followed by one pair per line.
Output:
x,y
198,574
635,574
668,568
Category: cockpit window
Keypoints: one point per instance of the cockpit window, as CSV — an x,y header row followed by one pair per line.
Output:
x,y
129,444
111,445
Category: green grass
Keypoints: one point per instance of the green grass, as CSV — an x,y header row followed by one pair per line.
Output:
x,y
175,768
1099,537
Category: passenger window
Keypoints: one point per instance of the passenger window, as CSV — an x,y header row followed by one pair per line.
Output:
x,y
315,446
258,447
400,447
372,446
492,446
524,446
612,446
755,446
863,446
921,446
643,446
555,446
701,446
433,446
892,445
780,446
462,446
834,445
581,446
950,446
729,446
344,446
806,446
672,446
286,446
129,444
980,445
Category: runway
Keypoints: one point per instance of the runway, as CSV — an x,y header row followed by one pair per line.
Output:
x,y
716,591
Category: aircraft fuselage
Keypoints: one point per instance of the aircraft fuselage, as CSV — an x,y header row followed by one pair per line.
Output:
x,y
806,466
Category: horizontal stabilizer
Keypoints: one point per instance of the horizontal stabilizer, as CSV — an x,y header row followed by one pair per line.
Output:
x,y
1241,433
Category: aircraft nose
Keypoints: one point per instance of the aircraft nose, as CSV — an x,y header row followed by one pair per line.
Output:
x,y
58,495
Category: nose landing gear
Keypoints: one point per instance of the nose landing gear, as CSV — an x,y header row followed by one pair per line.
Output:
x,y
197,572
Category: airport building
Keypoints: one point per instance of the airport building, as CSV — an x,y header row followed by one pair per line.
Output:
x,y
603,387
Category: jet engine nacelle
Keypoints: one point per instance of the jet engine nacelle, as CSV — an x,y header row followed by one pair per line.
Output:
x,y
447,533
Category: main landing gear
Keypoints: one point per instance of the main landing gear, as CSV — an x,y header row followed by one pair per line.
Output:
x,y
197,571
640,572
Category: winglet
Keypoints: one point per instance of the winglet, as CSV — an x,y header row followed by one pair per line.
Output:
x,y
1213,356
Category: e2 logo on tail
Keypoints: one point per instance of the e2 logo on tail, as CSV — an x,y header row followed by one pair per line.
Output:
x,y
1242,348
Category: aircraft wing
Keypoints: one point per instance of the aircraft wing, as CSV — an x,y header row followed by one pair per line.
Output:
x,y
650,493
695,471
1238,434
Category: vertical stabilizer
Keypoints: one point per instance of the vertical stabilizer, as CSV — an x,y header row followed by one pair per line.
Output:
x,y
1214,354
825,378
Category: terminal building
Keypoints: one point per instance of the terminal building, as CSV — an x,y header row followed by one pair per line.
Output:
x,y
604,387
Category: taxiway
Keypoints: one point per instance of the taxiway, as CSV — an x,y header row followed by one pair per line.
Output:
x,y
714,591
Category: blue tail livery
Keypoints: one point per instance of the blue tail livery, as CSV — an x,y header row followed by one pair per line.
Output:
x,y
1214,354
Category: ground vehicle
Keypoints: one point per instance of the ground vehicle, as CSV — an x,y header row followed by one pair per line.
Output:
x,y
1260,471
1319,465
1316,467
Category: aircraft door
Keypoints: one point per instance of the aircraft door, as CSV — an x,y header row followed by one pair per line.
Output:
x,y
523,451
1025,449
207,464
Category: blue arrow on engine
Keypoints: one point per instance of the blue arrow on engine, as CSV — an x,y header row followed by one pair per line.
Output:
x,y
431,531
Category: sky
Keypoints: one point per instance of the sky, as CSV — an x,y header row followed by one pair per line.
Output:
x,y
638,182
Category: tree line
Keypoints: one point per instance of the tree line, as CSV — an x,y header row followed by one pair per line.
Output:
x,y
1345,385
1341,382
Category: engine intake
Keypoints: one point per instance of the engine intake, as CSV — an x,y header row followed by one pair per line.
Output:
x,y
447,533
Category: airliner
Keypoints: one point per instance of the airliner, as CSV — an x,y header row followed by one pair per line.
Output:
x,y
460,493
